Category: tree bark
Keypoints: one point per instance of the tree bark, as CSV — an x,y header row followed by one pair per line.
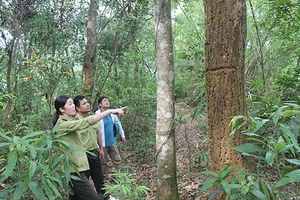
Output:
x,y
90,50
225,32
165,131
8,84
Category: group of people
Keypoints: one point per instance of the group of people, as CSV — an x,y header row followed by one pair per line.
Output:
x,y
92,140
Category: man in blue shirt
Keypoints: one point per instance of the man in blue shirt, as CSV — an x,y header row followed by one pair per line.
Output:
x,y
108,140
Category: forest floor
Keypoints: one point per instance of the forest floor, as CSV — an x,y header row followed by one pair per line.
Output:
x,y
192,158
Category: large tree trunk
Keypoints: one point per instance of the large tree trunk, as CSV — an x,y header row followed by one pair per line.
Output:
x,y
225,61
165,131
90,50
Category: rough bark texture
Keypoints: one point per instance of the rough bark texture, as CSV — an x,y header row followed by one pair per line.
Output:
x,y
90,50
165,131
225,58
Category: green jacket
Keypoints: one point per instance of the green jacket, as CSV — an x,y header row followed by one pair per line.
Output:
x,y
68,129
88,136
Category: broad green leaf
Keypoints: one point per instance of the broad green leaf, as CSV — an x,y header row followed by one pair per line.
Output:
x,y
248,148
257,193
224,184
234,120
225,166
286,169
210,173
291,136
276,116
33,134
16,139
280,146
294,175
270,156
18,191
12,159
33,151
48,191
245,189
233,186
291,112
4,194
259,125
66,144
255,156
282,182
5,136
266,189
4,144
32,169
255,140
37,190
208,183
225,174
57,160
291,177
251,134
54,188
293,161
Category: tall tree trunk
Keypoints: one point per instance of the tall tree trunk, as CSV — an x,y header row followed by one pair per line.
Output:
x,y
90,50
225,32
165,131
8,84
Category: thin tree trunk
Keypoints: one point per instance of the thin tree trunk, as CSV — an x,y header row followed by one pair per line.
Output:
x,y
261,60
165,131
8,84
11,52
90,50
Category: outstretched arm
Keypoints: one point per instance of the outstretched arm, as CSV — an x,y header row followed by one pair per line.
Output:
x,y
118,111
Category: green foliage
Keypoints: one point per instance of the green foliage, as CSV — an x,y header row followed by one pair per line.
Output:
x,y
273,140
34,166
201,156
189,55
288,83
236,186
143,146
127,187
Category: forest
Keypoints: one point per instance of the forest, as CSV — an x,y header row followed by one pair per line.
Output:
x,y
212,89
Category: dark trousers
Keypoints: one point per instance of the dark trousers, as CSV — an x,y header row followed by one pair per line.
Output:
x,y
96,172
82,188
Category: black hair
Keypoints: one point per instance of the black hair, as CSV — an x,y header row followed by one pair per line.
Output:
x,y
77,100
60,102
101,98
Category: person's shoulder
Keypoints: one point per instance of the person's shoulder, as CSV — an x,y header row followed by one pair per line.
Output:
x,y
62,118
98,111
78,116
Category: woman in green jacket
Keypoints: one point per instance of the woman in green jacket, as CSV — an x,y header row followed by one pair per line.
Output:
x,y
65,124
